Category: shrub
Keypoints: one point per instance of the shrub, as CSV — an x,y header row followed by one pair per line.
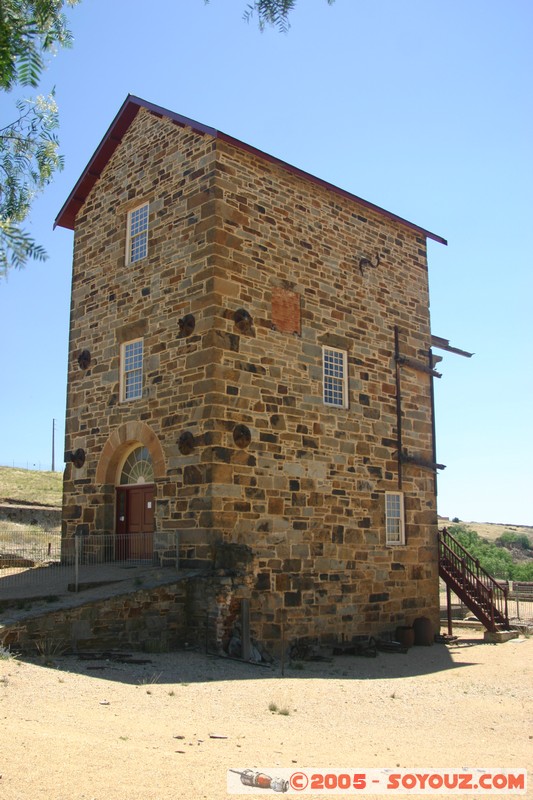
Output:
x,y
494,559
510,539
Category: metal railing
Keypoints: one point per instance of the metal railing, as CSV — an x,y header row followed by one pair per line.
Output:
x,y
521,601
520,604
33,545
39,563
472,580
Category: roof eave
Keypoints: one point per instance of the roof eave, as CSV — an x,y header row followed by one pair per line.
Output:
x,y
122,121
329,186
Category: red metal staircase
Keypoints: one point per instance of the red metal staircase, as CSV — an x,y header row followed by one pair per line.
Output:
x,y
478,590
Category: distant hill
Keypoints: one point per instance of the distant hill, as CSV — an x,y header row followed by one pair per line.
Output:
x,y
30,487
489,530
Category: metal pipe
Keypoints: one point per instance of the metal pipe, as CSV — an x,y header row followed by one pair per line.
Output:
x,y
398,403
282,648
246,644
433,427
76,561
449,609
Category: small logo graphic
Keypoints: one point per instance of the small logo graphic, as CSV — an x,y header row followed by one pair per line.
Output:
x,y
261,781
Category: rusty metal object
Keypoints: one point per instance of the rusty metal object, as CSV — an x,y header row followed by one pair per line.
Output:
x,y
84,359
186,325
186,443
77,457
243,321
242,436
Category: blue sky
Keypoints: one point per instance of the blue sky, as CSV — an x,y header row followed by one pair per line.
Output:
x,y
424,108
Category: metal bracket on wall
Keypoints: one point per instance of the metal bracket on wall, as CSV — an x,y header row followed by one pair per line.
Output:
x,y
404,361
421,462
417,365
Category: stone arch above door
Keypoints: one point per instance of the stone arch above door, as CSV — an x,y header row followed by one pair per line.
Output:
x,y
122,439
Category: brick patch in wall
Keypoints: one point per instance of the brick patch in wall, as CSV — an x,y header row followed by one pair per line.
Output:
x,y
286,311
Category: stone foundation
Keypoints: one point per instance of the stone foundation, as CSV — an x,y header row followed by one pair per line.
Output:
x,y
190,611
46,516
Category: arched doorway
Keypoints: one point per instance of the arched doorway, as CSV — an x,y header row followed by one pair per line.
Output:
x,y
135,507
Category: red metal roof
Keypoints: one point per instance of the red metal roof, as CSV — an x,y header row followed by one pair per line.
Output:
x,y
113,137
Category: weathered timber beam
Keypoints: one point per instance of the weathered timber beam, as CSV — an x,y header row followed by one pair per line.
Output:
x,y
421,462
444,344
417,365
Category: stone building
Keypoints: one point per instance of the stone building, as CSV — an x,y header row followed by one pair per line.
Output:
x,y
250,377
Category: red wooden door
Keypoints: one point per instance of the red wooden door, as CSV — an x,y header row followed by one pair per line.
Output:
x,y
135,522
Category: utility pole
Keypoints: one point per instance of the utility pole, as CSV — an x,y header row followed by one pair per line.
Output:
x,y
53,444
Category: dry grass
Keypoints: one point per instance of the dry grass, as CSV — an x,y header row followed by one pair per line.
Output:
x,y
27,534
34,543
31,486
490,530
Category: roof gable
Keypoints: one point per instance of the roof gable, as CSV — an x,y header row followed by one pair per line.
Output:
x,y
124,118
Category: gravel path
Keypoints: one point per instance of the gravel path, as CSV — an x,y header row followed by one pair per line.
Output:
x,y
75,729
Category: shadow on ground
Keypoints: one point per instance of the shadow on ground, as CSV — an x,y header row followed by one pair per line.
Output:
x,y
192,666
195,666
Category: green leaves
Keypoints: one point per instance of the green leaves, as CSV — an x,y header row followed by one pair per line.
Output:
x,y
16,247
273,12
509,539
29,31
28,160
496,560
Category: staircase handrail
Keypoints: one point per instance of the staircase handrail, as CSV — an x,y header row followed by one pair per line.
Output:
x,y
469,567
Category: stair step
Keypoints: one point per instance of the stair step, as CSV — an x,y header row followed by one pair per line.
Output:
x,y
474,592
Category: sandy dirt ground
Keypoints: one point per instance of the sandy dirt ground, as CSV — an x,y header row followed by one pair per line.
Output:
x,y
74,729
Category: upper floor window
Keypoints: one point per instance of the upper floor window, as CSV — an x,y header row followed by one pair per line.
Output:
x,y
131,372
394,518
335,387
137,239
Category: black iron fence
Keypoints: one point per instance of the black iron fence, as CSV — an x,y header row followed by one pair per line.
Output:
x,y
519,601
36,562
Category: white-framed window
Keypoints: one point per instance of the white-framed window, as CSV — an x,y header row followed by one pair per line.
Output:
x,y
394,518
138,468
131,372
335,382
137,238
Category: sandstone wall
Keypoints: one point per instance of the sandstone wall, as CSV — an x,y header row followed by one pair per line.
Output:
x,y
230,231
197,611
45,516
153,620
